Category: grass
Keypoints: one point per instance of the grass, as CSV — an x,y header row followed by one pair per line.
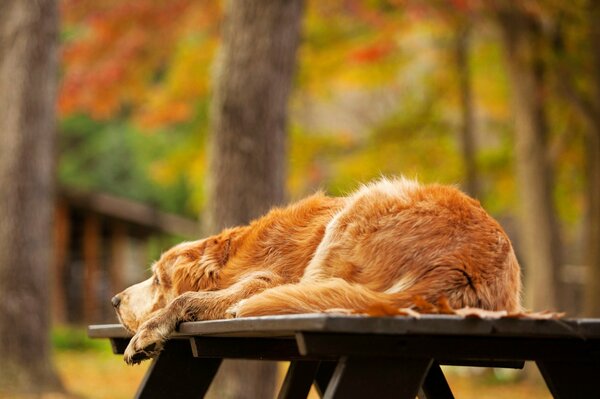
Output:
x,y
98,374
89,370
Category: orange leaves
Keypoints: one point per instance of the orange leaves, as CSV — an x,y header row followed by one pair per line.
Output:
x,y
373,52
165,113
117,52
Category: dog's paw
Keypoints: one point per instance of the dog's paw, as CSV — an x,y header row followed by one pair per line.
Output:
x,y
146,344
234,311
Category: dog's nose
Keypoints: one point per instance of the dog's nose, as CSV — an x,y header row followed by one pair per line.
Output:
x,y
116,301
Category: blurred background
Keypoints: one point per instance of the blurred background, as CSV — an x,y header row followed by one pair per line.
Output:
x,y
130,126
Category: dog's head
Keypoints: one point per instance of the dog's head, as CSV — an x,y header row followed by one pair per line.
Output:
x,y
189,266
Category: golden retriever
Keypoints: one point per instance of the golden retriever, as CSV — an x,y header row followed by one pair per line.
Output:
x,y
385,244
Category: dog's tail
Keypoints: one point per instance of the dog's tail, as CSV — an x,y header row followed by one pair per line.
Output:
x,y
330,295
458,287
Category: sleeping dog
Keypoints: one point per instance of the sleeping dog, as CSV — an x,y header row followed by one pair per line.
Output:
x,y
385,244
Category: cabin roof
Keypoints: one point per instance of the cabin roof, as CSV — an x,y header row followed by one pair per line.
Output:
x,y
130,211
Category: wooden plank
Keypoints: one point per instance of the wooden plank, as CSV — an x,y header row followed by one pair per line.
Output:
x,y
367,377
108,331
245,348
62,235
447,325
266,326
117,262
298,380
287,326
441,348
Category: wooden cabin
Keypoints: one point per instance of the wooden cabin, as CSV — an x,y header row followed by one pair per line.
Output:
x,y
101,247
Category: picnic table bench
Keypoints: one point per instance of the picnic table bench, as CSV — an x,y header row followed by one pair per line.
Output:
x,y
376,357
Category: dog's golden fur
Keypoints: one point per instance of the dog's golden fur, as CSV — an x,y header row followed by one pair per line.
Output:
x,y
383,245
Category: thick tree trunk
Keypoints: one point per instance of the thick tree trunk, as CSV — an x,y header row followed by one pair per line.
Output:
x,y
592,256
467,136
539,227
247,165
28,76
592,151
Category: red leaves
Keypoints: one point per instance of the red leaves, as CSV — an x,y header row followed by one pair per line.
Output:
x,y
372,53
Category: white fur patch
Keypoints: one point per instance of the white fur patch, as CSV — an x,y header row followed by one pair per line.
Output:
x,y
402,284
398,187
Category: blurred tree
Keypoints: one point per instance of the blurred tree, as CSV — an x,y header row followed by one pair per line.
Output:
x,y
523,42
28,77
467,130
588,104
253,79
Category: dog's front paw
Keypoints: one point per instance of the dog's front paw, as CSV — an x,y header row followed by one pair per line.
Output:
x,y
234,311
146,344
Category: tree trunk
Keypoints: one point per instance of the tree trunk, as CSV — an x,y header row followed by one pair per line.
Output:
x,y
467,136
539,227
28,76
247,169
592,152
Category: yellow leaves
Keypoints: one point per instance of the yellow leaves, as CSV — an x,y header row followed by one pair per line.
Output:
x,y
489,79
187,80
348,45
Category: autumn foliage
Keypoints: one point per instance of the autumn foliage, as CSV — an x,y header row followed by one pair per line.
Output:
x,y
142,56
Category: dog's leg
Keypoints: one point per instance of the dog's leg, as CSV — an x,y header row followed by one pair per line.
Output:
x,y
152,334
313,297
190,306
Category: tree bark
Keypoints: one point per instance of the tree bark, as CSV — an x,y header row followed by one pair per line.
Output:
x,y
539,227
592,153
467,136
28,76
253,78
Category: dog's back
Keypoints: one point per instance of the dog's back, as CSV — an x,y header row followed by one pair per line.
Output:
x,y
394,240
401,238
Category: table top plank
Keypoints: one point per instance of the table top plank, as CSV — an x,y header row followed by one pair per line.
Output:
x,y
288,325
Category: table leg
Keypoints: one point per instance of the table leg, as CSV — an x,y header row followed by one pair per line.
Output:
x,y
323,377
175,373
569,379
365,377
435,384
298,380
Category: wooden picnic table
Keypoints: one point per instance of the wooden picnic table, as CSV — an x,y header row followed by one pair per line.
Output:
x,y
375,357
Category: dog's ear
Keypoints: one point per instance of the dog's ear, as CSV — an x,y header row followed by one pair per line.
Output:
x,y
187,277
218,250
198,268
